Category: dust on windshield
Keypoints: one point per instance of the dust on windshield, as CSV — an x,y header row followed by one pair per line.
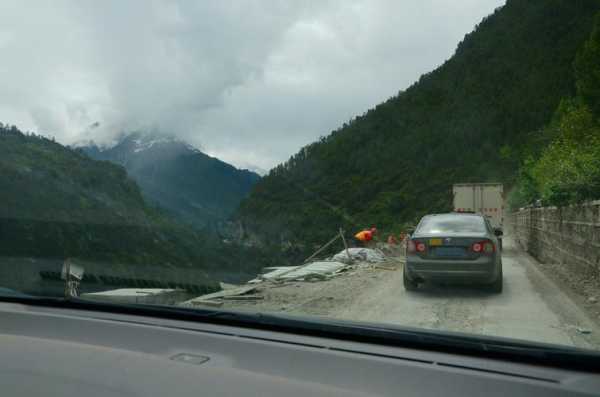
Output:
x,y
312,159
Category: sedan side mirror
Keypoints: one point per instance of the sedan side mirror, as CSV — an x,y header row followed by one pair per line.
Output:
x,y
498,232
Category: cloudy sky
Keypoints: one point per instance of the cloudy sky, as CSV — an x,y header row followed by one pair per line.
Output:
x,y
248,81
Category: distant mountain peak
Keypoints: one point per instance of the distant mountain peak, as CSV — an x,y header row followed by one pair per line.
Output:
x,y
140,142
178,176
84,143
254,168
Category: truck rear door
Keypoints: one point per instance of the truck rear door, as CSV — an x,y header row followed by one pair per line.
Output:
x,y
492,203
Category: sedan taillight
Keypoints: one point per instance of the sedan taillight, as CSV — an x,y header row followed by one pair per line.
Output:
x,y
485,247
415,246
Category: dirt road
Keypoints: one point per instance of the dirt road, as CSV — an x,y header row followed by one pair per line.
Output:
x,y
531,307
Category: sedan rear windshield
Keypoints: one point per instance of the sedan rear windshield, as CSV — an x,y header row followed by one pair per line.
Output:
x,y
451,224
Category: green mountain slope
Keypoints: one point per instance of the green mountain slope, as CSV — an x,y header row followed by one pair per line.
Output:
x,y
469,120
57,203
563,167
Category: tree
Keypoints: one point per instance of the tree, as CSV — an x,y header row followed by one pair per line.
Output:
x,y
587,69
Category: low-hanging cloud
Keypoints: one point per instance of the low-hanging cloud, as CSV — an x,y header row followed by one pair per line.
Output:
x,y
249,81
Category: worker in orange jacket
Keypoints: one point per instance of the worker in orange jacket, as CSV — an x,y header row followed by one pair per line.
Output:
x,y
365,237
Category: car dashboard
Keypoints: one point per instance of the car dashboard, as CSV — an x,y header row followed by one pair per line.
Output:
x,y
50,351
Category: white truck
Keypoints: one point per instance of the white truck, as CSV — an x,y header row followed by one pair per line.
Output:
x,y
482,198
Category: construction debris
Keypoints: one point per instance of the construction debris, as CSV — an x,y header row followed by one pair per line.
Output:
x,y
137,295
229,292
310,270
315,270
201,300
228,286
359,254
243,297
345,262
379,267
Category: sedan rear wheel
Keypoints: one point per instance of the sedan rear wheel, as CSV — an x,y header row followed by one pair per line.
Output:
x,y
496,286
409,284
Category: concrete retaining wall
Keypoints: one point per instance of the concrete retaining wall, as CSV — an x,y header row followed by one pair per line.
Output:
x,y
568,235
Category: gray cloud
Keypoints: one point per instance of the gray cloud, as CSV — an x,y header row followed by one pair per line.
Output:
x,y
249,81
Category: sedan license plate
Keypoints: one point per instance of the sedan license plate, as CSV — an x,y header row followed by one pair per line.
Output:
x,y
450,252
434,242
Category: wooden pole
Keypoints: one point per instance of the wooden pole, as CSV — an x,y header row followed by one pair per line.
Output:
x,y
322,248
345,245
304,264
67,265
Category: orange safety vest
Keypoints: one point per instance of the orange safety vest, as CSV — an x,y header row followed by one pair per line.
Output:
x,y
365,235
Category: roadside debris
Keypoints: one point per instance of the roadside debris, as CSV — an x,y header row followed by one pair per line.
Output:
x,y
359,254
379,267
137,295
229,292
347,262
243,297
228,286
208,300
314,270
202,302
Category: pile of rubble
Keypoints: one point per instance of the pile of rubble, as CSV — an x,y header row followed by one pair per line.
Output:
x,y
313,271
367,255
243,292
341,262
322,270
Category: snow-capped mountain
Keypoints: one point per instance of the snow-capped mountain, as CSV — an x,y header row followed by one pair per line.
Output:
x,y
178,177
254,168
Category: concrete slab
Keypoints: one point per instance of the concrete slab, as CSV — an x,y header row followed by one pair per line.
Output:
x,y
136,295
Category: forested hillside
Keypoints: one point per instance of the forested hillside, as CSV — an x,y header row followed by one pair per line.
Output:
x,y
473,119
58,203
563,166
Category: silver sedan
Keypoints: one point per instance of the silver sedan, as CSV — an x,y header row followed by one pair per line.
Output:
x,y
454,248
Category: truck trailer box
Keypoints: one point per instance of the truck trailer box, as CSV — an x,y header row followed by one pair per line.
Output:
x,y
482,198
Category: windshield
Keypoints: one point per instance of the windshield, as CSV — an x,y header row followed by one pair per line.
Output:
x,y
392,162
451,224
